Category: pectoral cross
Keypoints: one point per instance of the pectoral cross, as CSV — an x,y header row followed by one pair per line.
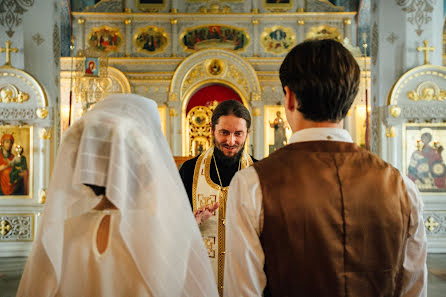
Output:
x,y
4,227
8,49
426,48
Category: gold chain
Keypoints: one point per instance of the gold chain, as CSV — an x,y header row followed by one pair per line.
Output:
x,y
218,173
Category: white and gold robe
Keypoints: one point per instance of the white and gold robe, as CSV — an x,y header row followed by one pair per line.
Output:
x,y
206,192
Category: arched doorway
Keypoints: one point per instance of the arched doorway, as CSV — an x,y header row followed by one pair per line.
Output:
x,y
199,112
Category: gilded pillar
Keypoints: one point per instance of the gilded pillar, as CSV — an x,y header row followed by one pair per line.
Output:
x,y
348,29
257,129
300,6
174,41
392,147
300,30
128,36
81,23
255,29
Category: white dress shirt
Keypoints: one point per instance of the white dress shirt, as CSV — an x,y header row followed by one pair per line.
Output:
x,y
245,259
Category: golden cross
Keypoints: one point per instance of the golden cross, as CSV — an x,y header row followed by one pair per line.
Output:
x,y
431,224
4,227
426,48
8,49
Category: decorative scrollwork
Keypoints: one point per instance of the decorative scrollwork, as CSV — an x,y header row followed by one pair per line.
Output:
x,y
420,12
200,132
11,13
194,75
16,227
237,76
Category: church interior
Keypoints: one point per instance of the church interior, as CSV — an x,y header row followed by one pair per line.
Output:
x,y
60,57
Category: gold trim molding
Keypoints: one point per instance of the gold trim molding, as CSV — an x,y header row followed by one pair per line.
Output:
x,y
427,91
395,111
390,132
11,94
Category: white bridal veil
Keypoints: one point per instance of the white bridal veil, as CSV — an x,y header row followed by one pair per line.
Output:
x,y
119,145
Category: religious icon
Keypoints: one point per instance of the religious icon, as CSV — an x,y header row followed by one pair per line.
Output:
x,y
214,36
215,67
425,157
150,40
15,147
278,4
277,130
105,39
150,5
91,66
324,32
278,40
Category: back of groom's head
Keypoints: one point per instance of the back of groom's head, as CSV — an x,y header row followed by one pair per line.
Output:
x,y
324,77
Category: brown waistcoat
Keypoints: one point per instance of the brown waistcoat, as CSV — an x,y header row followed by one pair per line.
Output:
x,y
335,221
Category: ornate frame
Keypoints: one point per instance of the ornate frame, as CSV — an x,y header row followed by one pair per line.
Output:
x,y
290,36
188,29
150,7
411,132
155,30
278,6
332,32
115,30
29,157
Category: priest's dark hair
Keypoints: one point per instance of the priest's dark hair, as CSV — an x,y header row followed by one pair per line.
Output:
x,y
229,107
324,76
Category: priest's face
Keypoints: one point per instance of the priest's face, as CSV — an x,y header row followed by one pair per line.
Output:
x,y
230,134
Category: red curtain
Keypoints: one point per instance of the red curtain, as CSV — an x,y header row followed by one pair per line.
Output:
x,y
207,95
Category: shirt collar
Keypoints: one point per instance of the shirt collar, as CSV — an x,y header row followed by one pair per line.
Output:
x,y
321,134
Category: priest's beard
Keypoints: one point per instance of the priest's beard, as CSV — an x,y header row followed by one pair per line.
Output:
x,y
227,161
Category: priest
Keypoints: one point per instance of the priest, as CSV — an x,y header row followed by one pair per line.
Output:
x,y
207,177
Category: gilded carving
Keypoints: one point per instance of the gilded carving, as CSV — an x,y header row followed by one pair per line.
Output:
x,y
15,227
235,74
11,94
427,91
200,132
256,112
324,32
173,97
278,40
390,132
395,111
194,75
426,49
42,196
215,66
256,97
45,133
5,227
8,50
431,224
42,112
172,112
